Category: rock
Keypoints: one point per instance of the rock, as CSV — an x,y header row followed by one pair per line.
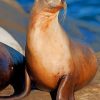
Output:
x,y
14,4
14,20
91,92
7,39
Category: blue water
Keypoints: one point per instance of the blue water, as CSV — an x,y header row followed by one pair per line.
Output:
x,y
26,4
84,13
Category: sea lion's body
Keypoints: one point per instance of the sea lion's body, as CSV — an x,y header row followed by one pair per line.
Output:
x,y
55,63
51,55
11,58
6,66
12,67
84,64
48,66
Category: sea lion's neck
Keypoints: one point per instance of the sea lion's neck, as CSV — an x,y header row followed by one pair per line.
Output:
x,y
44,21
45,24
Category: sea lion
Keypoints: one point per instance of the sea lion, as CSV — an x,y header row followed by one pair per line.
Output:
x,y
56,63
12,71
12,67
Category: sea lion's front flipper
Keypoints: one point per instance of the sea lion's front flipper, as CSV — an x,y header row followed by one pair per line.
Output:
x,y
17,95
66,89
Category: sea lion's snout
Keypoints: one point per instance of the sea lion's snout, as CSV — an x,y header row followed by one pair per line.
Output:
x,y
51,6
58,4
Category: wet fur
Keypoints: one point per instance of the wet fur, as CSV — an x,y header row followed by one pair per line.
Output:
x,y
12,71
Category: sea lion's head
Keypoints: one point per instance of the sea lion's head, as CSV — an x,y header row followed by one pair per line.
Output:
x,y
52,6
56,3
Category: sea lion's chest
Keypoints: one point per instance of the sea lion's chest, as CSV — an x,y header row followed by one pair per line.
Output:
x,y
50,55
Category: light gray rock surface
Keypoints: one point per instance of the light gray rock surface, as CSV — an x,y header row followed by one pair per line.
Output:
x,y
14,20
7,39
